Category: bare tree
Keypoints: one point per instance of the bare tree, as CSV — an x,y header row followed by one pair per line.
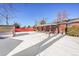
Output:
x,y
6,12
58,20
36,22
65,19
43,21
59,17
62,16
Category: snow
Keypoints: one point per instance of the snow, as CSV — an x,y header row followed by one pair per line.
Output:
x,y
65,46
55,45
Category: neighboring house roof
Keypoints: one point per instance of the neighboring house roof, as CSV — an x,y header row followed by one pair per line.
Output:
x,y
7,25
6,28
73,20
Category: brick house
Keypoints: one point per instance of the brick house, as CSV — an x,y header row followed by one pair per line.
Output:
x,y
59,27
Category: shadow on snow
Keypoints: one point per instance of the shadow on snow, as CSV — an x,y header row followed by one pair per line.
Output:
x,y
38,48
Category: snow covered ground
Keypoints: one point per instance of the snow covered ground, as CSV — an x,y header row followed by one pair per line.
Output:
x,y
40,44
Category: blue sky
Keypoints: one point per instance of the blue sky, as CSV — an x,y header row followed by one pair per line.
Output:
x,y
28,13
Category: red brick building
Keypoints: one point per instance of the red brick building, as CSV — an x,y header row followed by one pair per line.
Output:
x,y
59,27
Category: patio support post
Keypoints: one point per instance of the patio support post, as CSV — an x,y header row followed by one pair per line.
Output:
x,y
58,28
66,28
